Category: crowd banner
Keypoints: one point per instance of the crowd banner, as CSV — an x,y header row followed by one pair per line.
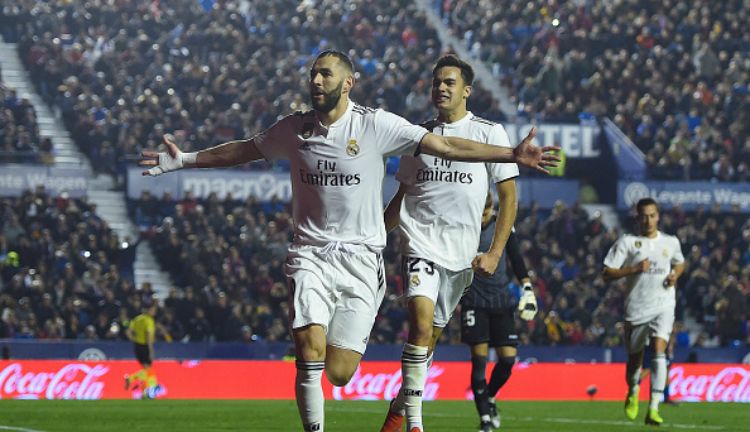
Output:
x,y
16,178
265,186
217,379
578,141
688,195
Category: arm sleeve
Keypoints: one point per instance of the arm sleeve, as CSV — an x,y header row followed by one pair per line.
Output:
x,y
500,172
617,253
396,136
274,142
513,249
677,257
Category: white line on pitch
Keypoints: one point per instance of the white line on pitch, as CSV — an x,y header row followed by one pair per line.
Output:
x,y
18,429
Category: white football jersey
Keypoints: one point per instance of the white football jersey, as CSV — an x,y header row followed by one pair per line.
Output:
x,y
647,294
337,172
441,213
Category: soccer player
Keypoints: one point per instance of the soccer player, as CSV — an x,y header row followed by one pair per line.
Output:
x,y
487,320
334,267
438,209
651,263
142,332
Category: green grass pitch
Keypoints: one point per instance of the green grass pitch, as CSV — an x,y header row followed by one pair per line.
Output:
x,y
171,415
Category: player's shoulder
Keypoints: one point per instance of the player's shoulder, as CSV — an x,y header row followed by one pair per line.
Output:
x,y
363,110
670,238
482,123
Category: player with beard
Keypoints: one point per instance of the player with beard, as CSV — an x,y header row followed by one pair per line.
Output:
x,y
334,267
651,262
438,209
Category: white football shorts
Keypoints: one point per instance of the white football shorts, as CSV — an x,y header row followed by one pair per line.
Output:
x,y
338,286
444,287
660,326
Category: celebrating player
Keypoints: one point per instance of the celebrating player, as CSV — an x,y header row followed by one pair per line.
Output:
x,y
438,208
334,267
651,263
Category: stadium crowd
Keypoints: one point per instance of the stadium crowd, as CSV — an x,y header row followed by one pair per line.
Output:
x,y
20,140
124,73
247,242
673,74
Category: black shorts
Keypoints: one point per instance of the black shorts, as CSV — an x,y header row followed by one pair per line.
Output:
x,y
142,354
497,327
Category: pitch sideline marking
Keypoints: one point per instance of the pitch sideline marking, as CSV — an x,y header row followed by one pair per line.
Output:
x,y
557,420
18,429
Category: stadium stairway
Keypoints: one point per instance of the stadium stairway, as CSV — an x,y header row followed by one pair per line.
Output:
x,y
112,207
15,76
110,204
482,72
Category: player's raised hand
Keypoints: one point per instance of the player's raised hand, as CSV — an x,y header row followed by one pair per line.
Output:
x,y
162,162
643,266
528,154
485,264
527,303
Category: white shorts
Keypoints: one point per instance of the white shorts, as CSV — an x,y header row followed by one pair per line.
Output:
x,y
339,287
659,326
444,287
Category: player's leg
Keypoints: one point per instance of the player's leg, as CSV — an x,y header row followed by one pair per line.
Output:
x,y
504,338
635,342
140,377
479,353
660,330
309,313
310,348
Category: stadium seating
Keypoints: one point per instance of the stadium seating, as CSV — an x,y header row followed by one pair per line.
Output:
x,y
672,75
20,141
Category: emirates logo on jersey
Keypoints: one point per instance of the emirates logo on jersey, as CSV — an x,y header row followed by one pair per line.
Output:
x,y
352,149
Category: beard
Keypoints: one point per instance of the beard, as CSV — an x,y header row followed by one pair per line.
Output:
x,y
330,99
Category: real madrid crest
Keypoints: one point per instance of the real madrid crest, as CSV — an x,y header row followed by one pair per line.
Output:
x,y
352,149
665,253
638,243
415,280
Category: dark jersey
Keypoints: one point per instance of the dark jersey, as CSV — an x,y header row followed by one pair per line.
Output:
x,y
490,292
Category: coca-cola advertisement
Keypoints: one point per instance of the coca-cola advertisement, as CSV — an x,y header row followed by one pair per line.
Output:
x,y
214,379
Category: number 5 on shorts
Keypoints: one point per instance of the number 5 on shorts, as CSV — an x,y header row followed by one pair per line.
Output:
x,y
469,319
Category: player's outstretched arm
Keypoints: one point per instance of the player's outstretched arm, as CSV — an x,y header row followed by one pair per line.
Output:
x,y
391,213
526,153
223,155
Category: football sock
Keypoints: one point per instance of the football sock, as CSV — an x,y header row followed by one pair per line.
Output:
x,y
479,385
414,375
309,394
633,378
151,379
500,374
139,376
658,379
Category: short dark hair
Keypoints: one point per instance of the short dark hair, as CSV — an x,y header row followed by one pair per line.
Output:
x,y
643,202
452,60
343,58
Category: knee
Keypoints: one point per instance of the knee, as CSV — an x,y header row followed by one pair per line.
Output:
x,y
339,375
506,363
311,352
420,332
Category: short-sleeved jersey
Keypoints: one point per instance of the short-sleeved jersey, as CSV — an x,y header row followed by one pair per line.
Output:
x,y
337,172
647,294
141,326
441,213
490,292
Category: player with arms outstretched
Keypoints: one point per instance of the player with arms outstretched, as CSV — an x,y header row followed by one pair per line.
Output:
x,y
334,267
651,262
